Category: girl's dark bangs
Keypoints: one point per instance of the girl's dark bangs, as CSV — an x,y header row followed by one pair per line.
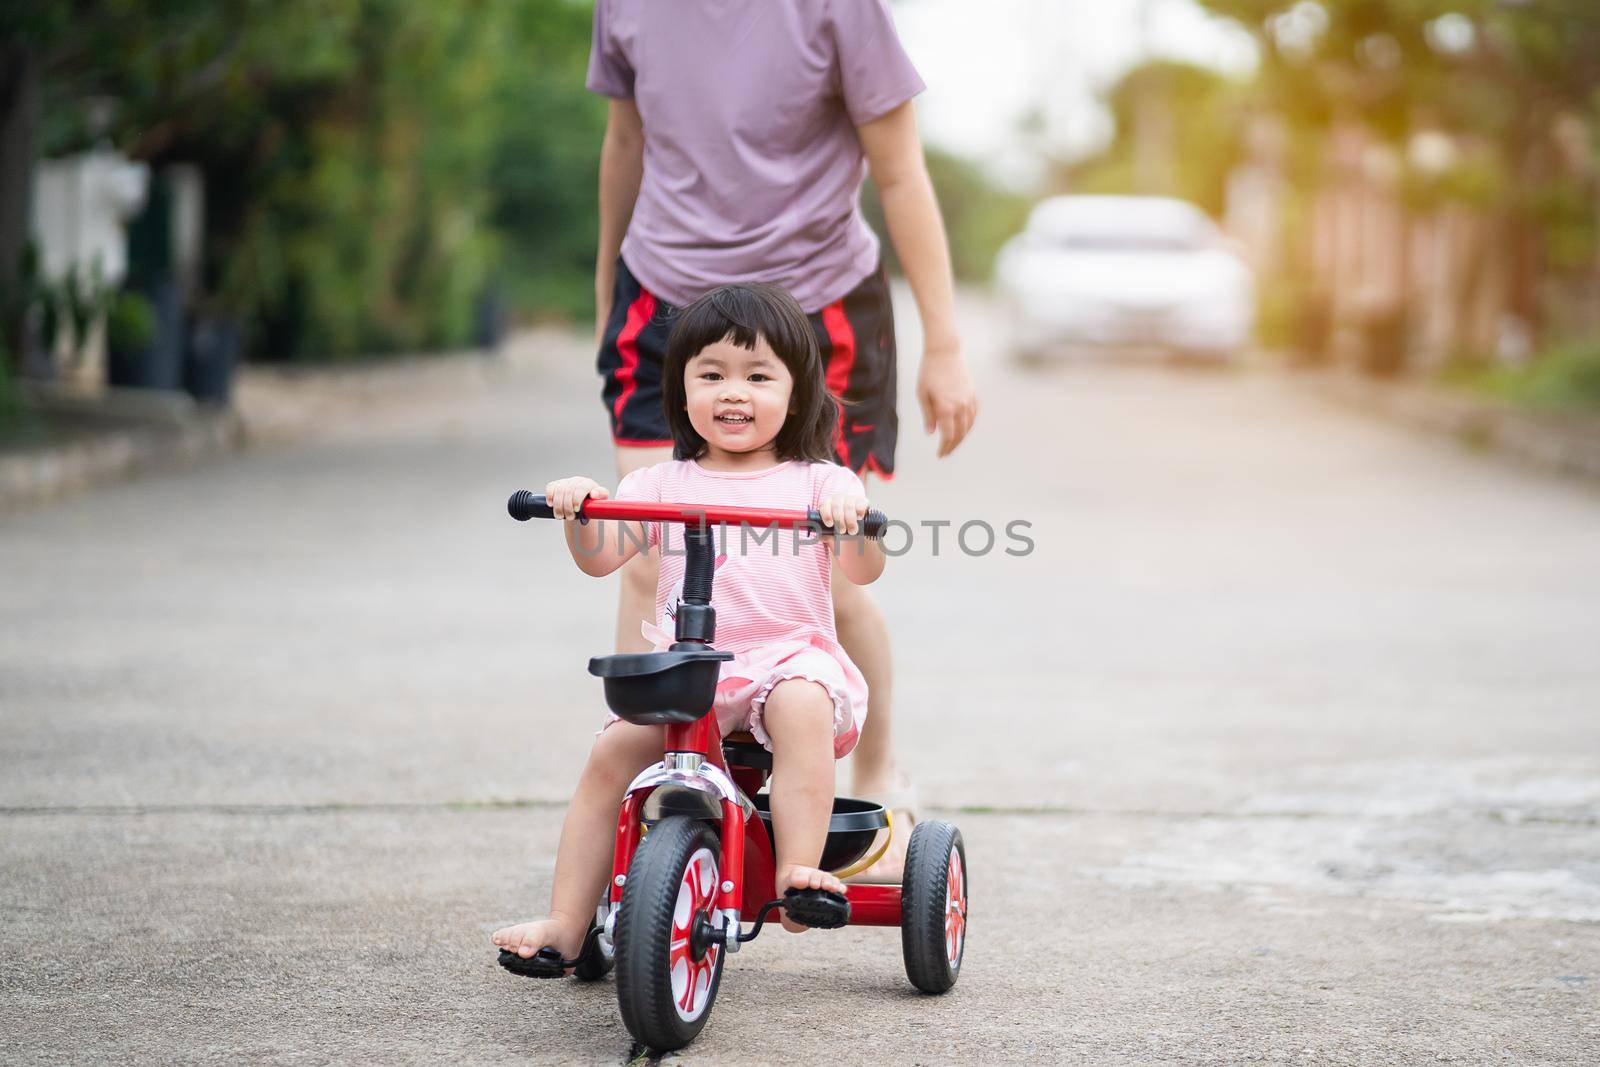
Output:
x,y
739,317
703,327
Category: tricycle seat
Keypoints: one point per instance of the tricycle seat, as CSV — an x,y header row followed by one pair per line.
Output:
x,y
652,688
741,749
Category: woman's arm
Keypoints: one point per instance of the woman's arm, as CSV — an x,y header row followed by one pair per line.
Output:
x,y
621,169
894,155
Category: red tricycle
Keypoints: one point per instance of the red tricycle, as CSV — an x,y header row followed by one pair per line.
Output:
x,y
694,830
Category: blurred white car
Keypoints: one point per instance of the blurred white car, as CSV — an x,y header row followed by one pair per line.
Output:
x,y
1125,271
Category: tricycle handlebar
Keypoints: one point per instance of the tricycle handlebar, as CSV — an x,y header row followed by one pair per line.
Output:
x,y
526,505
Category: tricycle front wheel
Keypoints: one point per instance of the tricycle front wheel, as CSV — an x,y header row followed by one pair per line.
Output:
x,y
933,906
668,969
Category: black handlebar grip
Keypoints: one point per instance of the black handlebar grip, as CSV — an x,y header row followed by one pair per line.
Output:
x,y
525,505
873,523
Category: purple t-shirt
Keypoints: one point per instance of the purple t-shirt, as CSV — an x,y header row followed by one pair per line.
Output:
x,y
752,169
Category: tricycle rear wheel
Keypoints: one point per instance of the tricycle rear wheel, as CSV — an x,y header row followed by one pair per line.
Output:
x,y
667,970
933,906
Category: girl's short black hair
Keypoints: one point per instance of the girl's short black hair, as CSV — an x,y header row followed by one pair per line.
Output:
x,y
740,314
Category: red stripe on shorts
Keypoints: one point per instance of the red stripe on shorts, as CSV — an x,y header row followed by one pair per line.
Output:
x,y
842,339
639,313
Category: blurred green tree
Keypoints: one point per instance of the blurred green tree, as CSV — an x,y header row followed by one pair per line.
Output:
x,y
543,173
1489,108
1513,85
368,163
372,167
1178,129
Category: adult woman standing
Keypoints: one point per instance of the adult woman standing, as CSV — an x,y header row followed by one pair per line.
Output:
x,y
738,136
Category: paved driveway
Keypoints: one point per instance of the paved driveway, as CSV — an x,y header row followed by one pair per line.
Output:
x,y
1282,744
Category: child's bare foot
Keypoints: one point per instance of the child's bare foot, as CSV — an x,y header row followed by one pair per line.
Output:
x,y
795,876
525,939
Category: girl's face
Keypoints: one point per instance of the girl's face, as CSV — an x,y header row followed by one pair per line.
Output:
x,y
737,397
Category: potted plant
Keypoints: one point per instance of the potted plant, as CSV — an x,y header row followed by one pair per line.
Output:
x,y
130,335
215,343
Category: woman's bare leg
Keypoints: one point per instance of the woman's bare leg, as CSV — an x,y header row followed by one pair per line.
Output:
x,y
583,859
864,633
865,636
798,717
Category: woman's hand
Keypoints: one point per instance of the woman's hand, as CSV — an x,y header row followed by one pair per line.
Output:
x,y
566,495
944,391
844,510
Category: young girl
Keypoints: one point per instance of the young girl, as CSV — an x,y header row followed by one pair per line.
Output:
x,y
752,424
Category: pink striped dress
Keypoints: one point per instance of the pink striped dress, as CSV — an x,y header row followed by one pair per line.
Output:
x,y
772,589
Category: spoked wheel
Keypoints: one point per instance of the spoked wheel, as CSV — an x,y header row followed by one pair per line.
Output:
x,y
667,968
933,906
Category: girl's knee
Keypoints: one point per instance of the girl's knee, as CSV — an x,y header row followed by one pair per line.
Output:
x,y
798,702
623,750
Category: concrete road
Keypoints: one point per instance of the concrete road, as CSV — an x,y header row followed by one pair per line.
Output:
x,y
1281,745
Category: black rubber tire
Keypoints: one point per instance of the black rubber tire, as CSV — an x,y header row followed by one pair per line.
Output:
x,y
644,934
922,906
594,963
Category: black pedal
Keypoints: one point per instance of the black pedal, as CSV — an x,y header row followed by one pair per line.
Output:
x,y
546,963
816,908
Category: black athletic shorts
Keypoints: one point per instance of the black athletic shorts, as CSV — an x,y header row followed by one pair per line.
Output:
x,y
855,335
